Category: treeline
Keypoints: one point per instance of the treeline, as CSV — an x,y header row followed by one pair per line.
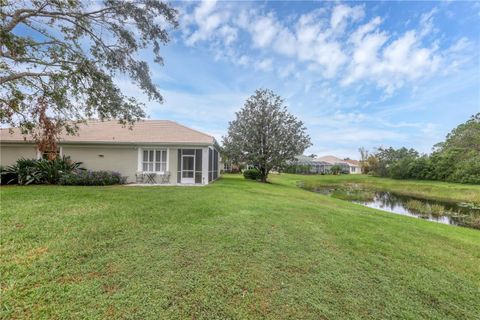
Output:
x,y
457,159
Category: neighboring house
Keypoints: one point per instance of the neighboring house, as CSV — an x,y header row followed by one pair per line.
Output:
x,y
308,165
166,148
311,164
353,166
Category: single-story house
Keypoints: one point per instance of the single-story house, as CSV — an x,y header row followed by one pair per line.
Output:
x,y
308,165
176,153
352,166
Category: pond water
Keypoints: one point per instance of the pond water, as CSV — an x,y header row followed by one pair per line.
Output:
x,y
461,214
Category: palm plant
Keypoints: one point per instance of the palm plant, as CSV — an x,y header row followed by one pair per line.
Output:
x,y
28,171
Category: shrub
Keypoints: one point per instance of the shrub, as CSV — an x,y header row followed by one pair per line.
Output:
x,y
93,178
23,172
6,176
50,171
252,174
32,171
336,169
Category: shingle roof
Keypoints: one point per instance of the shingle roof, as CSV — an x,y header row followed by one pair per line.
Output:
x,y
145,131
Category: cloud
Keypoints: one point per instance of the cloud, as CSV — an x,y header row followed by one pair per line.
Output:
x,y
331,43
263,30
208,23
265,64
389,64
342,13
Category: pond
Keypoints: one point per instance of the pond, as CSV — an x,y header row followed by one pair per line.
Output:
x,y
461,214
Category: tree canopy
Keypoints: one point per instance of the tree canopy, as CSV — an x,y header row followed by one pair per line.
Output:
x,y
59,59
457,159
264,134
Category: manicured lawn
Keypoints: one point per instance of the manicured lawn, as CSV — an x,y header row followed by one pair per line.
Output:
x,y
236,249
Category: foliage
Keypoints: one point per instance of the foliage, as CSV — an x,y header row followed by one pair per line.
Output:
x,y
336,169
92,178
69,66
24,171
43,171
455,160
265,134
51,171
6,176
425,209
252,174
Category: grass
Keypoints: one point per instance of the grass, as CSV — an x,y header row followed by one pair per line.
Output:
x,y
425,209
236,249
416,188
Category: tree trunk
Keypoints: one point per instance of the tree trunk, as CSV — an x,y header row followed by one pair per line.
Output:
x,y
263,175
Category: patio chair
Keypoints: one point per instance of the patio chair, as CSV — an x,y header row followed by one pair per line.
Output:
x,y
165,178
139,177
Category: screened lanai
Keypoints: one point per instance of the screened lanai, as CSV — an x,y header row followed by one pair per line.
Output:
x,y
308,165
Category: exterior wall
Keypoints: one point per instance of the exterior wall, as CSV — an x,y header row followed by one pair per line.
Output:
x,y
9,154
354,170
173,164
125,159
112,158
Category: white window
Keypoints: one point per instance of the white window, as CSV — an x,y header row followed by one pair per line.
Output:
x,y
154,160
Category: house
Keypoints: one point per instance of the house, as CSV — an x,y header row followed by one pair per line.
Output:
x,y
180,155
352,166
308,165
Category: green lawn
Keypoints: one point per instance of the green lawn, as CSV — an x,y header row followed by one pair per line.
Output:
x,y
233,250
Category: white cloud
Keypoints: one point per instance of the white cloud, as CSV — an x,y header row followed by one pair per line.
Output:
x,y
389,65
229,34
342,13
287,71
208,21
264,64
325,43
263,30
426,23
285,43
243,60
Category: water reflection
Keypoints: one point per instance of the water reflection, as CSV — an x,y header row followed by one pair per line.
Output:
x,y
461,214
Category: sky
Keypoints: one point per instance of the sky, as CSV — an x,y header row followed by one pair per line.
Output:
x,y
358,74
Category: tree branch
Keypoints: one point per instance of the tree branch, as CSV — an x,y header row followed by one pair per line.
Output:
x,y
20,75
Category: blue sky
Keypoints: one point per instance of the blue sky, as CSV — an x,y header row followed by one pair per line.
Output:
x,y
356,73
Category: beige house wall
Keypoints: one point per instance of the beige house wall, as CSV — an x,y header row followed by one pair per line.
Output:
x,y
124,159
355,170
9,154
111,158
173,164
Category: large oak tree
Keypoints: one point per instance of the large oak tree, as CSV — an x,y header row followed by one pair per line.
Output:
x,y
59,59
264,134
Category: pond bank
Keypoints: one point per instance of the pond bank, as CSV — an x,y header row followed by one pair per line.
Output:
x,y
448,212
